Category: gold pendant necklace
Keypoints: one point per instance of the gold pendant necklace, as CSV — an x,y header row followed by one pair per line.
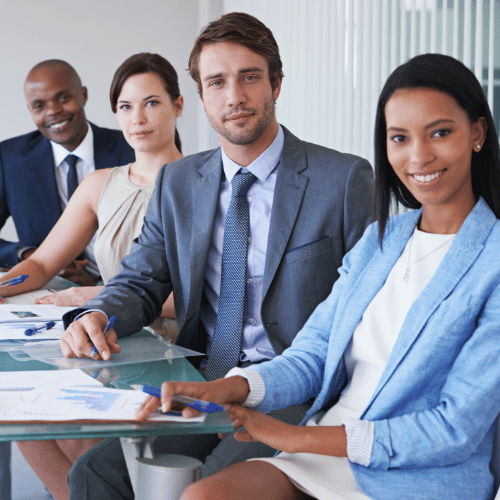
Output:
x,y
406,277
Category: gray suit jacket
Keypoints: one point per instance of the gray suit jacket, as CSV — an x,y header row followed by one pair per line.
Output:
x,y
322,203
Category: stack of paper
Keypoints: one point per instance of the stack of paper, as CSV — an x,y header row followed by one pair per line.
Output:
x,y
17,331
57,404
27,297
29,380
19,314
69,395
25,313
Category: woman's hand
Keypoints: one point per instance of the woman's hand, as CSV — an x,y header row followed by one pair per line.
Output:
x,y
263,428
168,309
322,440
71,297
224,390
76,273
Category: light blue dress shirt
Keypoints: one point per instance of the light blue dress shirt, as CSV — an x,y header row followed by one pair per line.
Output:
x,y
255,344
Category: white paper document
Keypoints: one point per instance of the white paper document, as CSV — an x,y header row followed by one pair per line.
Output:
x,y
27,297
74,403
27,313
29,380
16,331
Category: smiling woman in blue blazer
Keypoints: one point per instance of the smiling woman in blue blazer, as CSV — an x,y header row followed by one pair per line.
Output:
x,y
402,357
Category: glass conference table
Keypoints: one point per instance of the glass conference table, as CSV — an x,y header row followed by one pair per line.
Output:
x,y
121,377
136,438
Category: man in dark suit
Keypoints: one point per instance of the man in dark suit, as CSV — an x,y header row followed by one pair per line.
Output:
x,y
33,167
34,173
285,210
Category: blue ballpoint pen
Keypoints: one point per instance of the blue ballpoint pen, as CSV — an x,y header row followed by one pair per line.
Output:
x,y
14,281
197,404
110,324
47,326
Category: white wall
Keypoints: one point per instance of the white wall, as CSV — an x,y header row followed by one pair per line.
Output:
x,y
95,36
337,55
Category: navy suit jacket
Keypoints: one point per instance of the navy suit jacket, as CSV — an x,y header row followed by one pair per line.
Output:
x,y
28,188
322,203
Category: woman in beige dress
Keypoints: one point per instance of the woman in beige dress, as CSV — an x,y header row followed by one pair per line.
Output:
x,y
146,99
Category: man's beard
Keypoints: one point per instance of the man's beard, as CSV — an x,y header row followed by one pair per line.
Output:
x,y
246,136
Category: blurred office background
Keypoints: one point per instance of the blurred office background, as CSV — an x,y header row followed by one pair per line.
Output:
x,y
336,54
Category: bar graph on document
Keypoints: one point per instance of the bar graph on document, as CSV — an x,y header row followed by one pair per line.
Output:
x,y
90,400
74,403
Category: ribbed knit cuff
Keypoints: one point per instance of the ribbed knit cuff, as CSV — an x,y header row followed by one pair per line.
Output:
x,y
360,435
255,382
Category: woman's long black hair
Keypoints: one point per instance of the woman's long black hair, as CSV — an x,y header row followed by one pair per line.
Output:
x,y
446,74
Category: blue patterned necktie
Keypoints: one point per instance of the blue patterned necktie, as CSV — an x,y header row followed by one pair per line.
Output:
x,y
72,178
226,343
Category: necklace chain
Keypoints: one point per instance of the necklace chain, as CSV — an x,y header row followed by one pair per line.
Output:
x,y
406,277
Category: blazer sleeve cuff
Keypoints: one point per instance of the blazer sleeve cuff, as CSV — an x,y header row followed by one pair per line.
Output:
x,y
76,314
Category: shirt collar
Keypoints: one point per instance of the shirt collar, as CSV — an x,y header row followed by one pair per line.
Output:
x,y
262,166
85,150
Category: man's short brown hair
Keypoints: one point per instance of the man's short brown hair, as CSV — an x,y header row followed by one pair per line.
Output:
x,y
238,27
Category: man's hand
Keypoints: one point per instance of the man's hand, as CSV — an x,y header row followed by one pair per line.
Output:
x,y
224,390
76,273
71,297
82,335
27,253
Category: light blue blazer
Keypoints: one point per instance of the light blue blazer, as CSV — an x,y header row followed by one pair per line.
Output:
x,y
435,405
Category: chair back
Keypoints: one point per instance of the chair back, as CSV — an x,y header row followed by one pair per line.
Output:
x,y
495,459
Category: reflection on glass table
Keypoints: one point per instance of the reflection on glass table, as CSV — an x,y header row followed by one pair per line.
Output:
x,y
121,377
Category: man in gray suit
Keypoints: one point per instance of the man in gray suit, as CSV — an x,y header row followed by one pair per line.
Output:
x,y
305,207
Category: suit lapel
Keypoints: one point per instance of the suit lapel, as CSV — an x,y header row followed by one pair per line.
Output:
x,y
205,195
463,252
40,161
288,194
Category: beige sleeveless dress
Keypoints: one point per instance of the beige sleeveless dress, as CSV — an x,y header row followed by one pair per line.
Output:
x,y
120,212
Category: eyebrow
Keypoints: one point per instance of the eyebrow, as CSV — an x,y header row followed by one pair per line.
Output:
x,y
430,125
58,94
240,72
145,99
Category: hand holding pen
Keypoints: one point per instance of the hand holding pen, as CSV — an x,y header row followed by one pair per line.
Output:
x,y
110,324
87,332
197,404
14,281
202,396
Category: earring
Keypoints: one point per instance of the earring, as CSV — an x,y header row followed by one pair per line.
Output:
x,y
478,146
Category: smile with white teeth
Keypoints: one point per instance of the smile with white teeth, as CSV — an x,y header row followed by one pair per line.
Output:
x,y
58,125
427,178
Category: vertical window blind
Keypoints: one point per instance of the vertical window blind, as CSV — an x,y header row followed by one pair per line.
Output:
x,y
337,55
